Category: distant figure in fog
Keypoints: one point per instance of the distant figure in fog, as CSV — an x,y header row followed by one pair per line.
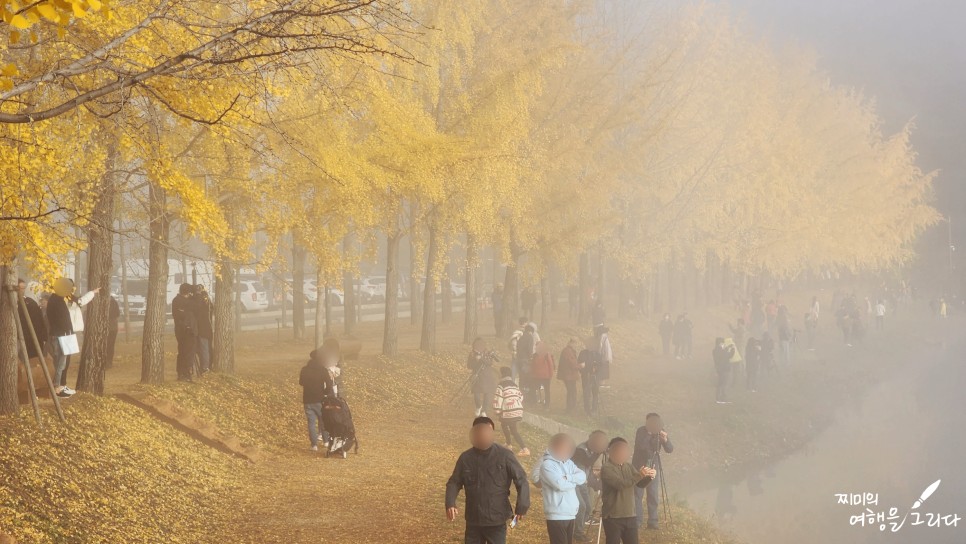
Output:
x,y
665,329
721,354
480,364
880,313
528,299
542,368
485,472
605,355
569,372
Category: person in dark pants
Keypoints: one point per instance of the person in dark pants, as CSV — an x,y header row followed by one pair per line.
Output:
x,y
35,316
619,478
480,364
666,329
722,354
558,478
651,438
185,331
586,457
568,371
203,312
485,472
587,361
312,379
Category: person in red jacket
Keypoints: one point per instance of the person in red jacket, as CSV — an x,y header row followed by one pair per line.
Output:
x,y
542,368
569,372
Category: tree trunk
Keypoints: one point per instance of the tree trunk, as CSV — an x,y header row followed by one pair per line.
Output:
x,y
470,319
511,293
415,302
100,267
328,311
672,300
348,289
583,288
427,340
155,311
321,294
601,276
446,290
9,403
544,304
223,337
124,300
390,332
298,289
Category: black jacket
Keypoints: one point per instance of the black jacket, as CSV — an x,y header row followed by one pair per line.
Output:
x,y
202,307
312,379
645,444
58,316
185,320
36,316
486,477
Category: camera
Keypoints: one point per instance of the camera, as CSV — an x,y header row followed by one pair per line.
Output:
x,y
493,356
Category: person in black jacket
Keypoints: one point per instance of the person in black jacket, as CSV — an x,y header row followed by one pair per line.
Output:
x,y
485,472
203,310
666,329
185,330
36,319
58,325
722,354
313,382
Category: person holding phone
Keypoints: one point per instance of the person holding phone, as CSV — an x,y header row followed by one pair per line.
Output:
x,y
485,472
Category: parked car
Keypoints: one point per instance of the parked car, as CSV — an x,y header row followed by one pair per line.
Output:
x,y
373,289
309,291
457,289
136,305
252,296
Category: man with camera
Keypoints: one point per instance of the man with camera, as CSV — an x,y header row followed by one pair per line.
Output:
x,y
650,440
483,384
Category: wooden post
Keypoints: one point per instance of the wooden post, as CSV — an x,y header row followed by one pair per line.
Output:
x,y
25,358
47,378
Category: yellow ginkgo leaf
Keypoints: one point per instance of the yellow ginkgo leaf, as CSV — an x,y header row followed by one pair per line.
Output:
x,y
5,84
79,11
94,4
48,12
9,70
14,37
19,21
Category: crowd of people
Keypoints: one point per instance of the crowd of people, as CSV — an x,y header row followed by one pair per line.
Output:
x,y
192,312
599,488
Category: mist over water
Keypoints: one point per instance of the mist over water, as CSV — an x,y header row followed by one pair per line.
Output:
x,y
895,441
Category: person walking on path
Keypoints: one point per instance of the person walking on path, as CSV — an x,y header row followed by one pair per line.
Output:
x,y
558,478
665,329
569,372
619,478
312,380
485,472
508,408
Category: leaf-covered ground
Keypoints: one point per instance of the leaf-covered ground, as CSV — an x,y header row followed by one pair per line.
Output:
x,y
115,474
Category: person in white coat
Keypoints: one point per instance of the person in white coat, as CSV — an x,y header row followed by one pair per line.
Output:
x,y
75,306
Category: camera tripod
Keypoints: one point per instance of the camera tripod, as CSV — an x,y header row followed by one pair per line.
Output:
x,y
486,362
659,467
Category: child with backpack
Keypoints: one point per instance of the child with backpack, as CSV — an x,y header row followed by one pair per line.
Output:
x,y
508,405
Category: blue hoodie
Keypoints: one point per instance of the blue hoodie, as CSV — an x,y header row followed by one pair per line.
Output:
x,y
558,483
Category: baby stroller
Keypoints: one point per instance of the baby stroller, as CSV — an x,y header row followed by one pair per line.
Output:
x,y
337,419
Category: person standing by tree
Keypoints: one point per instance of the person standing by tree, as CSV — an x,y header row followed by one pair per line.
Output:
x,y
559,477
619,478
525,348
528,299
75,307
665,329
486,472
203,312
569,372
58,319
34,317
185,330
880,313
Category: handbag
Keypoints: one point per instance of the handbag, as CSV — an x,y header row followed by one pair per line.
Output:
x,y
68,344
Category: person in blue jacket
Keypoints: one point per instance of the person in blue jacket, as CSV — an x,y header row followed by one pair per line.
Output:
x,y
558,477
